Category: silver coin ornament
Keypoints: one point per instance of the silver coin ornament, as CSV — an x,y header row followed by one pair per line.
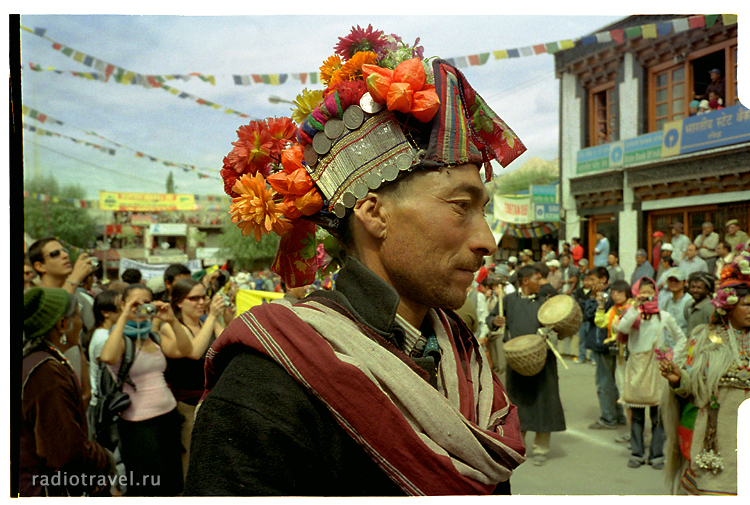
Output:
x,y
311,157
374,180
369,105
333,128
354,116
321,143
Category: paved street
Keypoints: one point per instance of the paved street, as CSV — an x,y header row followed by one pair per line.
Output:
x,y
584,461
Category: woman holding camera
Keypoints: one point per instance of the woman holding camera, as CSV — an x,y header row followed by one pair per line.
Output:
x,y
647,331
185,375
149,427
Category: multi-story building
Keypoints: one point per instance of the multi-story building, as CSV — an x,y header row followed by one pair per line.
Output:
x,y
634,158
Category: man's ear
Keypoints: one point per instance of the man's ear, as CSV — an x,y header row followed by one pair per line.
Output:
x,y
40,268
371,213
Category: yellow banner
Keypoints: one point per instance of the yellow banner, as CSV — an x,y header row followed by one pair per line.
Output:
x,y
247,298
144,202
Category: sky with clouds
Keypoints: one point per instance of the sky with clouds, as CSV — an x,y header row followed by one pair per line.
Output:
x,y
523,91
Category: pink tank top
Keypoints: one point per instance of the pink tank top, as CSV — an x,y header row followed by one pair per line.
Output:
x,y
152,396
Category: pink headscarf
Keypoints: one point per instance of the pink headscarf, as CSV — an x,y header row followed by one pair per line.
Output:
x,y
646,308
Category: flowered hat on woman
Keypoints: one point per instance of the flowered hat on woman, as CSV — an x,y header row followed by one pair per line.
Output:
x,y
386,110
734,275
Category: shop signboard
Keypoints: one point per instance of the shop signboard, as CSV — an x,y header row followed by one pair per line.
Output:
x,y
544,193
706,131
546,212
144,202
643,148
513,209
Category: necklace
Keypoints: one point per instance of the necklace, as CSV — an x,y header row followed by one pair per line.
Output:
x,y
739,374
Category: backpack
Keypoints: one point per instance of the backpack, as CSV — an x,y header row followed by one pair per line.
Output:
x,y
111,400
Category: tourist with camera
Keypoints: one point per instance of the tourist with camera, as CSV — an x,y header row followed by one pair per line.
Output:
x,y
149,428
649,333
203,320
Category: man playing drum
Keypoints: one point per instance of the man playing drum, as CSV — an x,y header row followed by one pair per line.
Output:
x,y
537,397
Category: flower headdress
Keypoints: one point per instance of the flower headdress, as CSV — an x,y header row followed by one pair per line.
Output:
x,y
734,275
385,110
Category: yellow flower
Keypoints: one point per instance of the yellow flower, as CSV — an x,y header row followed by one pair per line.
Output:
x,y
255,211
352,69
329,66
306,103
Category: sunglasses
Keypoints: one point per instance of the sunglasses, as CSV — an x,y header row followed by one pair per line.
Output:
x,y
196,298
56,253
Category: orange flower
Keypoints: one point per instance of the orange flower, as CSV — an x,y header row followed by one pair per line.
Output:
x,y
329,66
404,89
282,131
352,69
254,210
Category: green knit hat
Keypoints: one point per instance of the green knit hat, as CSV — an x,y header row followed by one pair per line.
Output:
x,y
42,309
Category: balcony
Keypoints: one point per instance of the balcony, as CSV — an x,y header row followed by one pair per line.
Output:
x,y
716,129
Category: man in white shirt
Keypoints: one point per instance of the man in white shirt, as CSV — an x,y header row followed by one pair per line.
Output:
x,y
724,255
676,303
692,262
706,243
679,243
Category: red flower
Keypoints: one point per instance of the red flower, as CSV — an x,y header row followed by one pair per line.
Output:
x,y
253,149
230,177
360,39
282,130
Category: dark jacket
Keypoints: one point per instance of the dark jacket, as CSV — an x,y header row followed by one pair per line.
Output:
x,y
259,432
595,336
54,432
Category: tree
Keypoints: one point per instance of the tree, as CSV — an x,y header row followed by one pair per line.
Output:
x,y
170,183
58,217
245,251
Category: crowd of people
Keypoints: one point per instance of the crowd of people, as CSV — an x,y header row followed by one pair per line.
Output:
x,y
381,382
633,327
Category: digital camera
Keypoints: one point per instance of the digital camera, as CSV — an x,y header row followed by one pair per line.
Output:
x,y
147,309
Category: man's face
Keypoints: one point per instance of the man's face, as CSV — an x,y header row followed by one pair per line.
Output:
x,y
639,259
56,260
692,251
28,273
674,285
721,250
599,237
732,229
698,290
612,260
533,283
676,232
565,261
657,240
707,230
714,76
436,236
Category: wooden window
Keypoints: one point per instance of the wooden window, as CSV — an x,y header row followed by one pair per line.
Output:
x,y
732,98
668,96
671,86
602,115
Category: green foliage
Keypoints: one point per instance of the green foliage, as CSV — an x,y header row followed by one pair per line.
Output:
x,y
535,171
245,251
60,219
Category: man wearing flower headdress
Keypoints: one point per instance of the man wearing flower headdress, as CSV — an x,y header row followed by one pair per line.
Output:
x,y
375,387
707,383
